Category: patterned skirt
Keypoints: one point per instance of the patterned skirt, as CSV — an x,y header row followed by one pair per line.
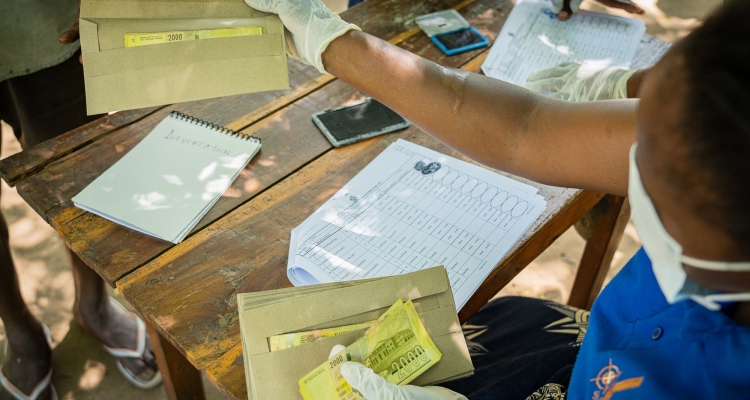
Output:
x,y
522,349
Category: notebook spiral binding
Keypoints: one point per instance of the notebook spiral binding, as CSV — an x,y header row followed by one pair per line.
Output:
x,y
218,128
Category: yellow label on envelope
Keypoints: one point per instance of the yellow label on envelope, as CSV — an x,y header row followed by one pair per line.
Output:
x,y
145,39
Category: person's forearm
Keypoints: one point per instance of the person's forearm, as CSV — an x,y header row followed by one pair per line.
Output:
x,y
446,103
495,123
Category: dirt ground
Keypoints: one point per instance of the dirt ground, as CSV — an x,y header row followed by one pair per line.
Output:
x,y
84,371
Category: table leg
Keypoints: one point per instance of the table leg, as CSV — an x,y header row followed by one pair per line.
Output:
x,y
181,379
597,256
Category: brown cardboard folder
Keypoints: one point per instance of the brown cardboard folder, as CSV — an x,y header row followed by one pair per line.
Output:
x,y
119,78
274,375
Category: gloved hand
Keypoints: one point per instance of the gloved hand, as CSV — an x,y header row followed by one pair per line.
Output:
x,y
558,7
375,387
578,82
311,24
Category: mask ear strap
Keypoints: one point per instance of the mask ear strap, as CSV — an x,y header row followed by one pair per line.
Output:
x,y
716,265
722,297
710,302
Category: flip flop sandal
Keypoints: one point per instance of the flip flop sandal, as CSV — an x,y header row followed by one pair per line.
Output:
x,y
136,354
40,387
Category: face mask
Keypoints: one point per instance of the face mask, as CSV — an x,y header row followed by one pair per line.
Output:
x,y
666,254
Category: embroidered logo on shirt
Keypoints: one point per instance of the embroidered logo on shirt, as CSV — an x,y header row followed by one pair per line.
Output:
x,y
608,381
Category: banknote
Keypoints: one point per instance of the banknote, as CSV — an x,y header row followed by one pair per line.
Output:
x,y
288,340
145,39
396,347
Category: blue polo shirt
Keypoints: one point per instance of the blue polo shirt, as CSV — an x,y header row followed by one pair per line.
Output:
x,y
638,346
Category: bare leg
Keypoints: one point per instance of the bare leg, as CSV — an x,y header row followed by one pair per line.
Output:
x,y
29,357
94,312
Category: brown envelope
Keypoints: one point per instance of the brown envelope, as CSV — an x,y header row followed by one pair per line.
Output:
x,y
275,374
119,78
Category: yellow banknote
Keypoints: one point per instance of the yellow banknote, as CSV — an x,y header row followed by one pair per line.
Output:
x,y
145,39
397,347
281,342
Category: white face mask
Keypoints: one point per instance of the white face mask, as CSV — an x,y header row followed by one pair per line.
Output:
x,y
666,254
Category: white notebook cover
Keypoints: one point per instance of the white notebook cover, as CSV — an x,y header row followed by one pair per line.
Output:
x,y
170,180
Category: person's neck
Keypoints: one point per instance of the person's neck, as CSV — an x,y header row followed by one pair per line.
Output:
x,y
741,313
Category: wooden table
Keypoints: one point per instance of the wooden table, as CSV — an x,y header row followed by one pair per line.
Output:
x,y
187,293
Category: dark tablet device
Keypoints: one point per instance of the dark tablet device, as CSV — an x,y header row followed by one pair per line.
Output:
x,y
349,124
460,40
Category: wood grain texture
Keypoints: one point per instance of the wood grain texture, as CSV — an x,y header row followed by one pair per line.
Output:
x,y
30,161
599,251
228,374
290,140
180,379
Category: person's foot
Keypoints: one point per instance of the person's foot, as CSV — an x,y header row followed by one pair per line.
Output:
x,y
27,362
116,329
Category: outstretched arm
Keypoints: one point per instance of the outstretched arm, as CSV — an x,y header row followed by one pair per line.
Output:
x,y
583,145
498,124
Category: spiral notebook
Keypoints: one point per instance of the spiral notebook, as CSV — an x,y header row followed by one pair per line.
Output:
x,y
171,179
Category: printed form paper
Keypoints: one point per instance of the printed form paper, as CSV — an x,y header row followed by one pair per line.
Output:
x,y
413,208
533,39
650,51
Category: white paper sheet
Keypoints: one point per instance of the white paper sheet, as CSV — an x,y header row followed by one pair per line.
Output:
x,y
392,219
533,39
441,22
170,180
650,50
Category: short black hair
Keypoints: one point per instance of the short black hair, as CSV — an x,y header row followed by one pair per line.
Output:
x,y
716,122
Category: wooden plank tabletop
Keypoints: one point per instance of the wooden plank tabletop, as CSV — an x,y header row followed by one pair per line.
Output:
x,y
112,250
189,292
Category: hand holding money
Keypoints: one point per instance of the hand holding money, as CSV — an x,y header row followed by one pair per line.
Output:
x,y
396,347
374,387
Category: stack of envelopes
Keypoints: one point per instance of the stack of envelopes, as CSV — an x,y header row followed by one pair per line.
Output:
x,y
275,375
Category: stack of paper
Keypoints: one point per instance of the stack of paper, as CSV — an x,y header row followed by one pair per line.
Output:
x,y
265,315
171,179
413,208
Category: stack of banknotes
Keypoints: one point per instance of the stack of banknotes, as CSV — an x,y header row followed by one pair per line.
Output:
x,y
403,327
396,347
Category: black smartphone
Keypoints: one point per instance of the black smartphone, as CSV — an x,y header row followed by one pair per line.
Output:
x,y
352,123
460,40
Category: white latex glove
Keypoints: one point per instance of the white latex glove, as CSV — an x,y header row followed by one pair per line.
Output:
x,y
557,6
375,387
577,82
311,24
575,5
